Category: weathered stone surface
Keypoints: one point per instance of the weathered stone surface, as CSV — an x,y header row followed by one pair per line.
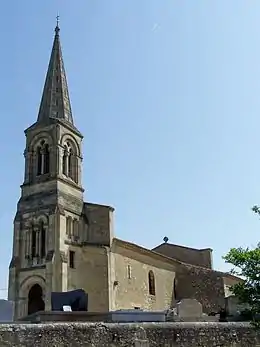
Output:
x,y
233,306
145,334
197,257
189,308
201,284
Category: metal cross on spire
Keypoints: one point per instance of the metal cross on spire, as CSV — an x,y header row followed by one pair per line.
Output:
x,y
57,29
57,20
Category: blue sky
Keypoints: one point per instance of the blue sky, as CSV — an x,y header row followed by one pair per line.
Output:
x,y
167,96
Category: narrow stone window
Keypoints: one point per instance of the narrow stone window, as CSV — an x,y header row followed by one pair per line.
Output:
x,y
69,162
70,165
46,168
72,259
43,159
39,161
151,281
64,163
43,239
129,272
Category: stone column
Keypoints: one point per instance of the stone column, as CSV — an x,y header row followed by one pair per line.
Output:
x,y
30,165
75,168
30,242
46,239
26,239
34,164
37,241
42,160
26,166
16,242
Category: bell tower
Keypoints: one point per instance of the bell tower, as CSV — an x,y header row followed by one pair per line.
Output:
x,y
51,194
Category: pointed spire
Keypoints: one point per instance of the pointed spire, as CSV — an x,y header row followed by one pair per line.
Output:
x,y
55,101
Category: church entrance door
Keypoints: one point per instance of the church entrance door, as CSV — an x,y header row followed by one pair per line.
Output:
x,y
35,300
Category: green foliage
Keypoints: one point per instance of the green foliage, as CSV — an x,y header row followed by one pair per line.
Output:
x,y
246,264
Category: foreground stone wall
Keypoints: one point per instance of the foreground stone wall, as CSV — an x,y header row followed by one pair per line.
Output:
x,y
129,335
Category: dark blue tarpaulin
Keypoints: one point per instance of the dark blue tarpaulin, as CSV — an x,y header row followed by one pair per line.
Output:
x,y
76,299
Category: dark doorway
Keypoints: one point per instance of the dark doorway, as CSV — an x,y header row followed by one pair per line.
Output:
x,y
35,301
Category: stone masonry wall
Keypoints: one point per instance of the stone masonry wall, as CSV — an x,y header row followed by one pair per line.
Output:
x,y
129,335
202,284
198,257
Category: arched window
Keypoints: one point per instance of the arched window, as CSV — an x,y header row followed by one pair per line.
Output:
x,y
151,281
69,162
43,239
43,158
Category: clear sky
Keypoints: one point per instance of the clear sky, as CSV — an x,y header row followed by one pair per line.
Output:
x,y
167,96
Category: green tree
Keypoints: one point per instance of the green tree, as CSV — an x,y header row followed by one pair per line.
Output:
x,y
246,264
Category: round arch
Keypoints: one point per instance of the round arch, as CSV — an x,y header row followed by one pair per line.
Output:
x,y
35,299
71,139
42,218
38,138
25,287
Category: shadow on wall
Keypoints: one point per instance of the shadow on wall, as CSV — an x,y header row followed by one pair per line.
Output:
x,y
174,294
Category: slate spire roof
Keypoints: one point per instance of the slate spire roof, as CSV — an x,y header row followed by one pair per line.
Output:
x,y
55,102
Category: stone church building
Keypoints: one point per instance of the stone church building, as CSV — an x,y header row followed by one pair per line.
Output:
x,y
61,242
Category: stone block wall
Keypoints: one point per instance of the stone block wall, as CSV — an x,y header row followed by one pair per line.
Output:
x,y
131,271
130,335
197,257
202,284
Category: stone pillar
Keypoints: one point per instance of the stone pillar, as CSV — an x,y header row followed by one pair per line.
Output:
x,y
26,155
30,165
48,285
26,243
30,242
58,160
66,163
37,241
46,239
16,240
42,160
79,164
34,164
75,169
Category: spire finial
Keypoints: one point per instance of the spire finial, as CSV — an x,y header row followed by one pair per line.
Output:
x,y
57,29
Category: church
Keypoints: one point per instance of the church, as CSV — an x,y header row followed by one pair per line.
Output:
x,y
62,243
